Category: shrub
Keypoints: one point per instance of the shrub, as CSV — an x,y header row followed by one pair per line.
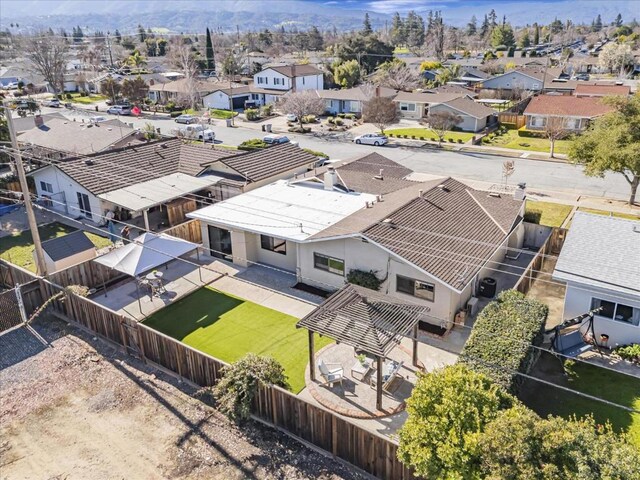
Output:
x,y
68,96
266,110
309,119
235,392
175,113
421,138
434,139
341,115
339,121
299,130
459,140
252,114
170,106
451,140
629,352
364,279
390,135
413,137
501,339
350,116
316,153
331,120
252,144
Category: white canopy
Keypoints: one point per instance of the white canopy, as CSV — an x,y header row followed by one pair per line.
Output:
x,y
145,252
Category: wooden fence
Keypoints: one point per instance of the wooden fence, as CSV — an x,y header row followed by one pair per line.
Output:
x,y
551,246
11,274
178,209
89,273
189,231
511,118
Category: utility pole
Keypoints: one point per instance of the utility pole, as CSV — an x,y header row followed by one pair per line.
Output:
x,y
109,46
33,224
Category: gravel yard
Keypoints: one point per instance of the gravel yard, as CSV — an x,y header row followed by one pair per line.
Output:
x,y
79,409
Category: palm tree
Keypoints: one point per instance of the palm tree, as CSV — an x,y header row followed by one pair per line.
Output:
x,y
136,60
448,74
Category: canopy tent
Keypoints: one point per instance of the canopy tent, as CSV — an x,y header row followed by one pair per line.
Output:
x,y
146,252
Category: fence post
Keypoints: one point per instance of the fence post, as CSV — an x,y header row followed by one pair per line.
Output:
x,y
23,312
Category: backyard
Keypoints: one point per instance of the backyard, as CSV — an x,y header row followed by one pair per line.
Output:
x,y
546,213
228,327
429,134
18,249
511,139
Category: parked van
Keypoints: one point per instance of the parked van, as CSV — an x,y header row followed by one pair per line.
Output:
x,y
196,132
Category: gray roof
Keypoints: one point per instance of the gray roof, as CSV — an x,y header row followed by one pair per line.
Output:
x,y
364,319
424,97
360,93
468,107
67,245
603,252
23,124
449,88
296,70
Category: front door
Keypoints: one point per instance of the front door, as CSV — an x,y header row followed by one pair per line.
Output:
x,y
220,242
83,204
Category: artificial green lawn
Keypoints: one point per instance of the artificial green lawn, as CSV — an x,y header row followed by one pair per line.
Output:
x,y
428,134
76,98
228,327
511,139
221,114
18,249
546,213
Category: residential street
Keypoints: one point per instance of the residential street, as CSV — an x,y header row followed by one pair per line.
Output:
x,y
543,176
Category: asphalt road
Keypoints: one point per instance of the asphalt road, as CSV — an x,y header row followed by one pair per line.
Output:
x,y
542,176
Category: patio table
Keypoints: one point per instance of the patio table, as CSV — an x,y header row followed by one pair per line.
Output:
x,y
361,369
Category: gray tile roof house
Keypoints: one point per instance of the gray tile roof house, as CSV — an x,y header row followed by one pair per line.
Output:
x,y
67,245
467,106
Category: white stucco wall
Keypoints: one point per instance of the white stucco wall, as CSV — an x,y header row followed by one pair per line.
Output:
x,y
69,261
267,79
468,124
216,100
513,79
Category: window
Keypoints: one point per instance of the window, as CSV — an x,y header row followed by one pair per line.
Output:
x,y
416,288
273,244
408,107
617,311
46,187
330,264
278,81
535,86
303,80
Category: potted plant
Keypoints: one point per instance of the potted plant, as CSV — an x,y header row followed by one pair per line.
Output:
x,y
362,358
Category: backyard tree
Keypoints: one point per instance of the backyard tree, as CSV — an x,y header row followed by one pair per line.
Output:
x,y
235,392
211,64
347,74
502,35
381,111
555,129
448,410
48,56
396,75
442,122
111,88
136,60
612,143
303,103
135,89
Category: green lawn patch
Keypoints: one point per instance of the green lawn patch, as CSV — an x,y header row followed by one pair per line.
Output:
x,y
428,134
400,51
18,249
628,216
227,327
221,114
76,98
511,139
546,213
615,387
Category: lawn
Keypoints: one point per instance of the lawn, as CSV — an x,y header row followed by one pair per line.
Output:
x,y
221,114
76,98
228,327
546,213
628,216
615,387
428,134
18,248
511,139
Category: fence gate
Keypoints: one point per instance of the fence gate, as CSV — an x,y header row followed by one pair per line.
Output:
x,y
131,339
10,310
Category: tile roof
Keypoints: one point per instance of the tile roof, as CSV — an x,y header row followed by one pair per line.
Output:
x,y
373,162
300,70
567,105
22,124
364,318
364,182
602,89
67,245
452,89
446,231
360,93
468,107
603,252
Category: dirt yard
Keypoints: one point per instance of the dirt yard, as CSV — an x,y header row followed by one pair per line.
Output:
x,y
79,410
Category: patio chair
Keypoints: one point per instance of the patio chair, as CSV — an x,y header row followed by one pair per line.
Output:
x,y
390,371
331,373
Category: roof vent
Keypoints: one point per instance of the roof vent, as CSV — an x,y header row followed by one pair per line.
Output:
x,y
89,162
380,175
380,198
636,229
389,222
419,193
494,194
443,187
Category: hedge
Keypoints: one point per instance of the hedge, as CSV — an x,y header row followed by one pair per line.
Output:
x,y
364,279
501,339
252,144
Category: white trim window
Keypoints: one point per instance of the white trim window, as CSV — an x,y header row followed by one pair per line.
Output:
x,y
617,311
416,288
407,107
46,187
261,80
273,244
328,264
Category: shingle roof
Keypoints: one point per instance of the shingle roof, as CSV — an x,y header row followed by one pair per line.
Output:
x,y
373,162
601,89
453,89
567,105
424,97
195,158
603,252
264,163
300,70
446,231
363,182
360,93
182,86
468,107
364,318
67,245
22,124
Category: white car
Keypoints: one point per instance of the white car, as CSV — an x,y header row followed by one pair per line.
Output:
x,y
275,139
54,102
291,117
376,139
97,119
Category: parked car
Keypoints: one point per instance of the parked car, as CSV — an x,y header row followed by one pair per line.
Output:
x,y
54,102
195,131
275,139
119,110
376,139
184,118
291,117
97,119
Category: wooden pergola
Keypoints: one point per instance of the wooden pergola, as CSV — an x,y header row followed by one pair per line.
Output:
x,y
367,320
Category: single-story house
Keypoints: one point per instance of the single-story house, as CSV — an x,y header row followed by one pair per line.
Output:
x,y
475,116
179,89
350,100
320,231
225,96
290,78
577,111
600,263
584,89
471,75
451,88
559,86
531,79
416,104
67,250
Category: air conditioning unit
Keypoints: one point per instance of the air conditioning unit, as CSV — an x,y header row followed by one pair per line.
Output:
x,y
472,306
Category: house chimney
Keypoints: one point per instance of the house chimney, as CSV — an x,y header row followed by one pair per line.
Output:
x,y
520,192
419,193
39,121
330,179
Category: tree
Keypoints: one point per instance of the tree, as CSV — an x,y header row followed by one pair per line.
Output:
x,y
182,57
615,57
485,27
152,47
612,143
302,104
555,129
111,88
162,47
430,65
234,393
502,35
536,34
448,411
441,122
314,39
618,21
597,24
48,55
414,28
472,26
435,34
142,35
366,25
118,36
493,23
231,65
525,41
380,111
136,60
556,26
396,75
398,32
367,49
211,63
265,38
135,89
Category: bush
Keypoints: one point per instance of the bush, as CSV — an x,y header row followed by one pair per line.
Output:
x,y
175,113
252,144
339,121
341,115
68,96
170,106
501,339
350,116
364,279
252,114
316,153
235,392
299,130
523,132
413,137
266,110
309,119
331,120
451,140
459,140
629,352
434,139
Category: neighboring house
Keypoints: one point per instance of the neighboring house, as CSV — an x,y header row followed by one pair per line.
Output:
x,y
560,86
15,74
58,138
577,111
600,263
601,90
350,100
449,88
22,124
530,79
179,89
67,250
475,116
416,104
289,78
225,96
471,75
321,231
